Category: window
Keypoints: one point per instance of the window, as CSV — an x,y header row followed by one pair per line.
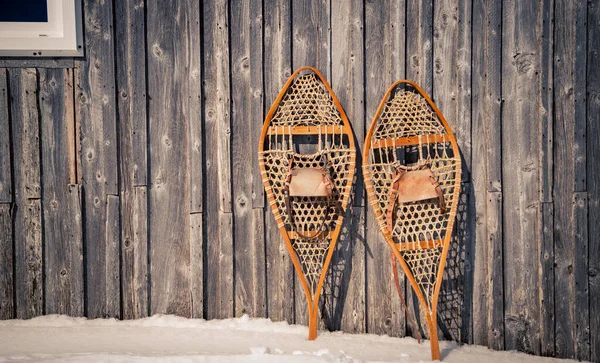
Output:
x,y
41,28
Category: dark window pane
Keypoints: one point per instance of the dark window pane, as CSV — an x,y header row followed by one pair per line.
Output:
x,y
30,11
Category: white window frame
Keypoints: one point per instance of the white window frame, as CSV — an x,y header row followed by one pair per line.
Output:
x,y
61,36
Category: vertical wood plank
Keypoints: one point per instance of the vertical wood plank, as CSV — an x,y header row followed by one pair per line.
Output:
x,y
197,265
521,28
246,118
28,259
134,255
280,274
419,47
25,133
63,242
131,84
486,165
347,307
593,172
464,126
132,121
546,183
259,283
217,182
6,262
112,279
547,315
96,116
195,113
5,167
347,73
569,168
495,315
311,35
383,308
276,70
26,173
581,323
75,212
226,302
168,26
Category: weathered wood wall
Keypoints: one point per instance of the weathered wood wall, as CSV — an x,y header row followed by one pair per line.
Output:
x,y
129,183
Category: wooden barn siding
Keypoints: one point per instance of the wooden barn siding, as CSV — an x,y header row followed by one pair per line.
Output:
x,y
129,183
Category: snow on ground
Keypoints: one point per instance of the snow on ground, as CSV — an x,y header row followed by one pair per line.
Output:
x,y
167,338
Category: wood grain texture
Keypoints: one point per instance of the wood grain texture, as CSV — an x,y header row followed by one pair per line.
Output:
x,y
113,247
569,168
486,161
168,90
246,118
347,76
311,35
280,276
226,288
276,69
28,277
217,204
25,133
197,264
383,308
131,97
28,264
547,280
593,173
580,277
546,161
495,260
195,112
5,165
133,154
134,258
95,112
419,45
345,306
521,25
547,98
6,262
63,235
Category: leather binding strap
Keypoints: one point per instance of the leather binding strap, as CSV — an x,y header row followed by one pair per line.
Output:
x,y
393,195
289,205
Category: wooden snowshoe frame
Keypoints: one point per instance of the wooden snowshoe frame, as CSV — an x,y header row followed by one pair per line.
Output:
x,y
307,106
409,130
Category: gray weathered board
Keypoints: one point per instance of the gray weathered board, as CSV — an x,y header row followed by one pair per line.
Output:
x,y
129,183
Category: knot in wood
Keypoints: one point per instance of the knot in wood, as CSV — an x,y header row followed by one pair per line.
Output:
x,y
157,51
388,322
593,272
63,272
